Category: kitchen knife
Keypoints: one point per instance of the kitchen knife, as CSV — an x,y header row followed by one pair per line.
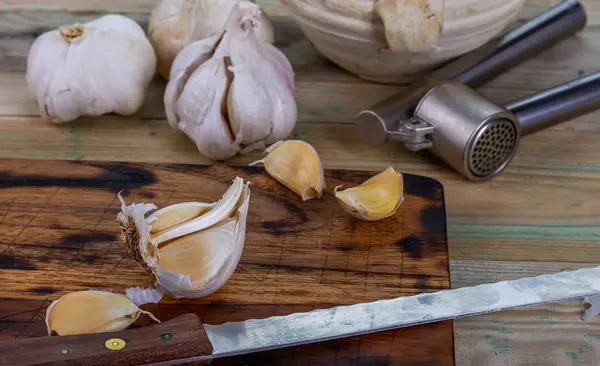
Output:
x,y
184,339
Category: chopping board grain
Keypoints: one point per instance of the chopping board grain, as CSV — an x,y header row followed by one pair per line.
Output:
x,y
60,235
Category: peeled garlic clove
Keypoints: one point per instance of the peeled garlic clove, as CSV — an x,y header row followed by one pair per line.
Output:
x,y
91,69
91,311
412,26
174,24
191,249
296,165
375,199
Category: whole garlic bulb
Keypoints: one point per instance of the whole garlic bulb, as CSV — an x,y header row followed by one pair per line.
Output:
x,y
91,69
176,23
190,249
232,93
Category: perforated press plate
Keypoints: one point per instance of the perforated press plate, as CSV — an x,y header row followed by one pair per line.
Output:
x,y
492,147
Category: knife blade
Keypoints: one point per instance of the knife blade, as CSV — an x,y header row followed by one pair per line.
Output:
x,y
184,339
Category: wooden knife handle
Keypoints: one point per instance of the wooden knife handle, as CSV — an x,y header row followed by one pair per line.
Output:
x,y
180,337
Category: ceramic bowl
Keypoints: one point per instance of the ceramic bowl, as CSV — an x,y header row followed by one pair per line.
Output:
x,y
392,41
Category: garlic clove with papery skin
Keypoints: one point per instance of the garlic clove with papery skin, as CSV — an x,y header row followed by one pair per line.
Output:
x,y
296,165
91,69
377,198
195,247
232,93
90,311
174,24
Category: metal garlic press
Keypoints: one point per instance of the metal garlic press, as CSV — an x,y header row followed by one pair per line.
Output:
x,y
442,113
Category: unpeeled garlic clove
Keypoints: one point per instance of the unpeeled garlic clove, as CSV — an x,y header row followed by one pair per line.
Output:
x,y
174,24
190,249
84,312
296,165
375,199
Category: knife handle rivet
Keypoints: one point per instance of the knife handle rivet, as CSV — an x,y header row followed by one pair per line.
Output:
x,y
64,351
166,336
115,344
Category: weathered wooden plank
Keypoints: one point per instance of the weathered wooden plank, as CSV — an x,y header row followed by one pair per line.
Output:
x,y
325,93
539,208
34,16
551,334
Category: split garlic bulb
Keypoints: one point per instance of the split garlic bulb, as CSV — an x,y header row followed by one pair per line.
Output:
x,y
85,312
91,69
176,23
190,249
377,198
232,93
296,165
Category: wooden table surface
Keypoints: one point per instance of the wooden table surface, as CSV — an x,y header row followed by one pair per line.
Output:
x,y
540,216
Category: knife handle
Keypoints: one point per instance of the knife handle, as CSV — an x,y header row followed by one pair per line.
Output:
x,y
181,337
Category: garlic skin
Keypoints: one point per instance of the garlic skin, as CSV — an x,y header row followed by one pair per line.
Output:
x,y
377,198
174,24
296,165
91,311
100,67
190,249
232,93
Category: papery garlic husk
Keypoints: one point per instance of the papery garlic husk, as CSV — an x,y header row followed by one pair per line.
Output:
x,y
296,165
91,69
190,249
91,311
377,198
232,93
174,24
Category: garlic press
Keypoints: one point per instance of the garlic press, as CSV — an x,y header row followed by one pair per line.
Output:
x,y
441,112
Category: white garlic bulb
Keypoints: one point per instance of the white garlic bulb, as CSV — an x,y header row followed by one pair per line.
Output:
x,y
232,93
91,69
190,249
176,23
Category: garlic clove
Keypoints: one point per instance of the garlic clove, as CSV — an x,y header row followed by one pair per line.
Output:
x,y
174,24
296,165
199,255
201,110
192,258
218,212
261,105
410,25
173,215
91,311
375,199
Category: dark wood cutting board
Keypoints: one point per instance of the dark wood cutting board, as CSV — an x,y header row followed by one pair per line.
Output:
x,y
59,235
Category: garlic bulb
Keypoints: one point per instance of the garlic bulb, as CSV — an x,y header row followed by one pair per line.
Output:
x,y
296,165
91,69
174,24
375,199
190,249
232,93
91,311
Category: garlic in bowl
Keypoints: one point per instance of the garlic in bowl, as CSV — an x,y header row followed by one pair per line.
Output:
x,y
393,41
100,67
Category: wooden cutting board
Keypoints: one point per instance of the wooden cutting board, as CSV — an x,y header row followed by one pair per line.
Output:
x,y
59,235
